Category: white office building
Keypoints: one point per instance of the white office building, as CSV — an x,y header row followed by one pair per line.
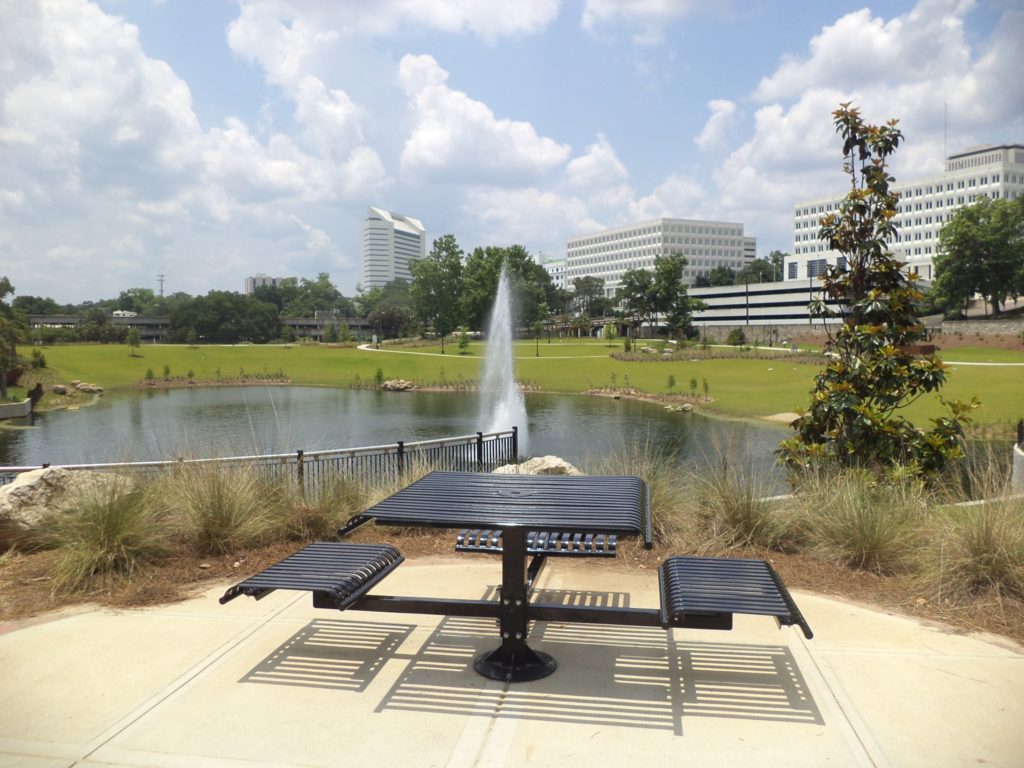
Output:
x,y
610,253
556,268
925,205
389,242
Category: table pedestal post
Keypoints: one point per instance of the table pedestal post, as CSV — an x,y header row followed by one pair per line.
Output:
x,y
514,661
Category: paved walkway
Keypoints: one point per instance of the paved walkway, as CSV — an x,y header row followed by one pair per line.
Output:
x,y
277,683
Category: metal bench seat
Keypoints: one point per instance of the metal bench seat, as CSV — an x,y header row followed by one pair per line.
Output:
x,y
718,587
341,571
540,543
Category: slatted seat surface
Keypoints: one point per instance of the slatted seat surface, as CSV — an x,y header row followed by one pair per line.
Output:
x,y
720,585
568,504
540,543
342,570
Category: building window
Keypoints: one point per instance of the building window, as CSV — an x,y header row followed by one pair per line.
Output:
x,y
816,267
791,270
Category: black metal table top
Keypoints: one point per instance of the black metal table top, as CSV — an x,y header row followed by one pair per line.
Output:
x,y
538,502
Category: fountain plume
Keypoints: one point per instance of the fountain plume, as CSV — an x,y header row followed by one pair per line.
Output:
x,y
502,405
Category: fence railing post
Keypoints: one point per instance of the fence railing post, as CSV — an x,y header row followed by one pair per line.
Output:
x,y
479,451
300,469
401,458
515,445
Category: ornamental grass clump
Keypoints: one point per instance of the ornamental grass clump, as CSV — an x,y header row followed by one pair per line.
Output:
x,y
979,550
674,511
219,510
319,512
109,532
736,511
853,519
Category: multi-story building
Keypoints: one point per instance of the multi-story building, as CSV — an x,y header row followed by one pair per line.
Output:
x,y
260,280
925,206
389,242
610,253
556,268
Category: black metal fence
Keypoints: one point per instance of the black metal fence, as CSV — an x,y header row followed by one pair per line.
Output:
x,y
481,452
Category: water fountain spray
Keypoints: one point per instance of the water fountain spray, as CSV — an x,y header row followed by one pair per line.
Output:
x,y
501,403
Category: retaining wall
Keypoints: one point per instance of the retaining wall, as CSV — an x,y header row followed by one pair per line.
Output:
x,y
16,410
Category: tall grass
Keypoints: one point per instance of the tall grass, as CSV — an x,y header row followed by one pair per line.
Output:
x,y
980,548
218,510
737,511
674,505
317,514
852,519
107,532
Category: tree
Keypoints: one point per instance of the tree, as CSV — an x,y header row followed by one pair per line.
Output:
x,y
36,305
588,296
138,300
981,250
225,317
872,374
436,288
11,332
388,309
756,271
638,298
721,275
529,282
671,297
133,341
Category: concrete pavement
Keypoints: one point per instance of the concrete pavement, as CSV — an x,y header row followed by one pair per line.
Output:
x,y
278,683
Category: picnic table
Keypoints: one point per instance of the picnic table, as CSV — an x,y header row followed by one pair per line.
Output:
x,y
527,519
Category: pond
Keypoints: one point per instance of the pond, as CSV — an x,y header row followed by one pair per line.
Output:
x,y
201,423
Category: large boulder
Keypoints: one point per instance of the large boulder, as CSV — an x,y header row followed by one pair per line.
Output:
x,y
539,465
34,498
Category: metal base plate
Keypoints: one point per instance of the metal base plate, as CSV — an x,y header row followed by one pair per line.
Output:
x,y
519,667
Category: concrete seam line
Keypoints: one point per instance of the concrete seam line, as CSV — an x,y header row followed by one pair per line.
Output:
x,y
864,748
183,680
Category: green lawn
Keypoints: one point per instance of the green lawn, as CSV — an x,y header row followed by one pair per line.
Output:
x,y
741,387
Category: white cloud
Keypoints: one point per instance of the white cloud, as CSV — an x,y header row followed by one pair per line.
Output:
x,y
678,196
647,18
540,219
723,114
598,167
925,44
456,138
484,18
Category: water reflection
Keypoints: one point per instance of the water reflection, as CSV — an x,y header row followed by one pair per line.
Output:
x,y
162,424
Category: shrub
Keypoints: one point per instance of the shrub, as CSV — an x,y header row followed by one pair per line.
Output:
x,y
38,359
736,337
109,532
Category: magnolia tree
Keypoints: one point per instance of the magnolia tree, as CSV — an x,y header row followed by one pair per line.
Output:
x,y
853,419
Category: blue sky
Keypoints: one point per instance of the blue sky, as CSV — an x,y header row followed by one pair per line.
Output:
x,y
208,140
